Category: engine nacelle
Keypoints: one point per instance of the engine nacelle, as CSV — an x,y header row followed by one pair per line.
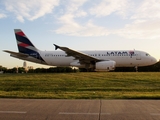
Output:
x,y
105,66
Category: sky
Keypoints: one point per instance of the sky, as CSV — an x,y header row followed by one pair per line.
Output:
x,y
80,25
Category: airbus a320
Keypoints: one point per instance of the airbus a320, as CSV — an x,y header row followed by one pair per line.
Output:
x,y
103,60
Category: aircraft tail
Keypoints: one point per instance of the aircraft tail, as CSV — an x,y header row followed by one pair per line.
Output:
x,y
24,44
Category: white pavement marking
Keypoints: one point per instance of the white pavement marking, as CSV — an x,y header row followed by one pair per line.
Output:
x,y
155,114
71,113
14,112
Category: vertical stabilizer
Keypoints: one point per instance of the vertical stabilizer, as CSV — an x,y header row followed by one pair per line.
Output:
x,y
23,43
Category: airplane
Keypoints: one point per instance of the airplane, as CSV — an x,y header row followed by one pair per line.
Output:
x,y
103,60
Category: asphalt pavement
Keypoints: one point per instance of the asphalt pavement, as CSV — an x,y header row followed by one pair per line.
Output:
x,y
63,109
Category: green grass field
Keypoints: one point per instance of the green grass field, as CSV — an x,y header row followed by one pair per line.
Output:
x,y
93,85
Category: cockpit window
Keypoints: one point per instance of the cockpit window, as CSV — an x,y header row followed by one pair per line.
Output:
x,y
147,54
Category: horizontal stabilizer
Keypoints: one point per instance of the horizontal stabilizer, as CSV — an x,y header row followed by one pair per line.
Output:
x,y
16,53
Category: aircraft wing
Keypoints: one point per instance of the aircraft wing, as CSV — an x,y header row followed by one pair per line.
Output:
x,y
16,53
82,57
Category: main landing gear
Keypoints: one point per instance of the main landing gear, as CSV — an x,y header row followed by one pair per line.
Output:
x,y
136,68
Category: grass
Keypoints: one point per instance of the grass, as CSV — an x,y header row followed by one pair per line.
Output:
x,y
94,85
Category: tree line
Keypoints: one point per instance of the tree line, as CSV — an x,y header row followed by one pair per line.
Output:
x,y
152,68
38,70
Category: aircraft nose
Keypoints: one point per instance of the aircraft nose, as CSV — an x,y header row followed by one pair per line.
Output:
x,y
153,60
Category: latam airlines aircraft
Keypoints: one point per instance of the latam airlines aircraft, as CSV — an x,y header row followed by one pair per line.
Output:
x,y
94,60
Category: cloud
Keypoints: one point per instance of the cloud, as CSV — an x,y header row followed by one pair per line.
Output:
x,y
70,20
143,19
67,20
149,9
94,30
73,5
69,26
146,22
136,19
89,29
30,9
2,15
107,7
141,30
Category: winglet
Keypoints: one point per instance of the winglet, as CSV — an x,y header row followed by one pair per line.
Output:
x,y
56,46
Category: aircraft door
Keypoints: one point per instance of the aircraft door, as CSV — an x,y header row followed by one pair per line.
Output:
x,y
138,56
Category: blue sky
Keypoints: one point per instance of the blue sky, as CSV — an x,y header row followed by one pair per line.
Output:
x,y
80,25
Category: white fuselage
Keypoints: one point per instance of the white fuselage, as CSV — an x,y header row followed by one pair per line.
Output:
x,y
123,58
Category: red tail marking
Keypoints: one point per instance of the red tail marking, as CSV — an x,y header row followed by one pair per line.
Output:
x,y
20,33
23,45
